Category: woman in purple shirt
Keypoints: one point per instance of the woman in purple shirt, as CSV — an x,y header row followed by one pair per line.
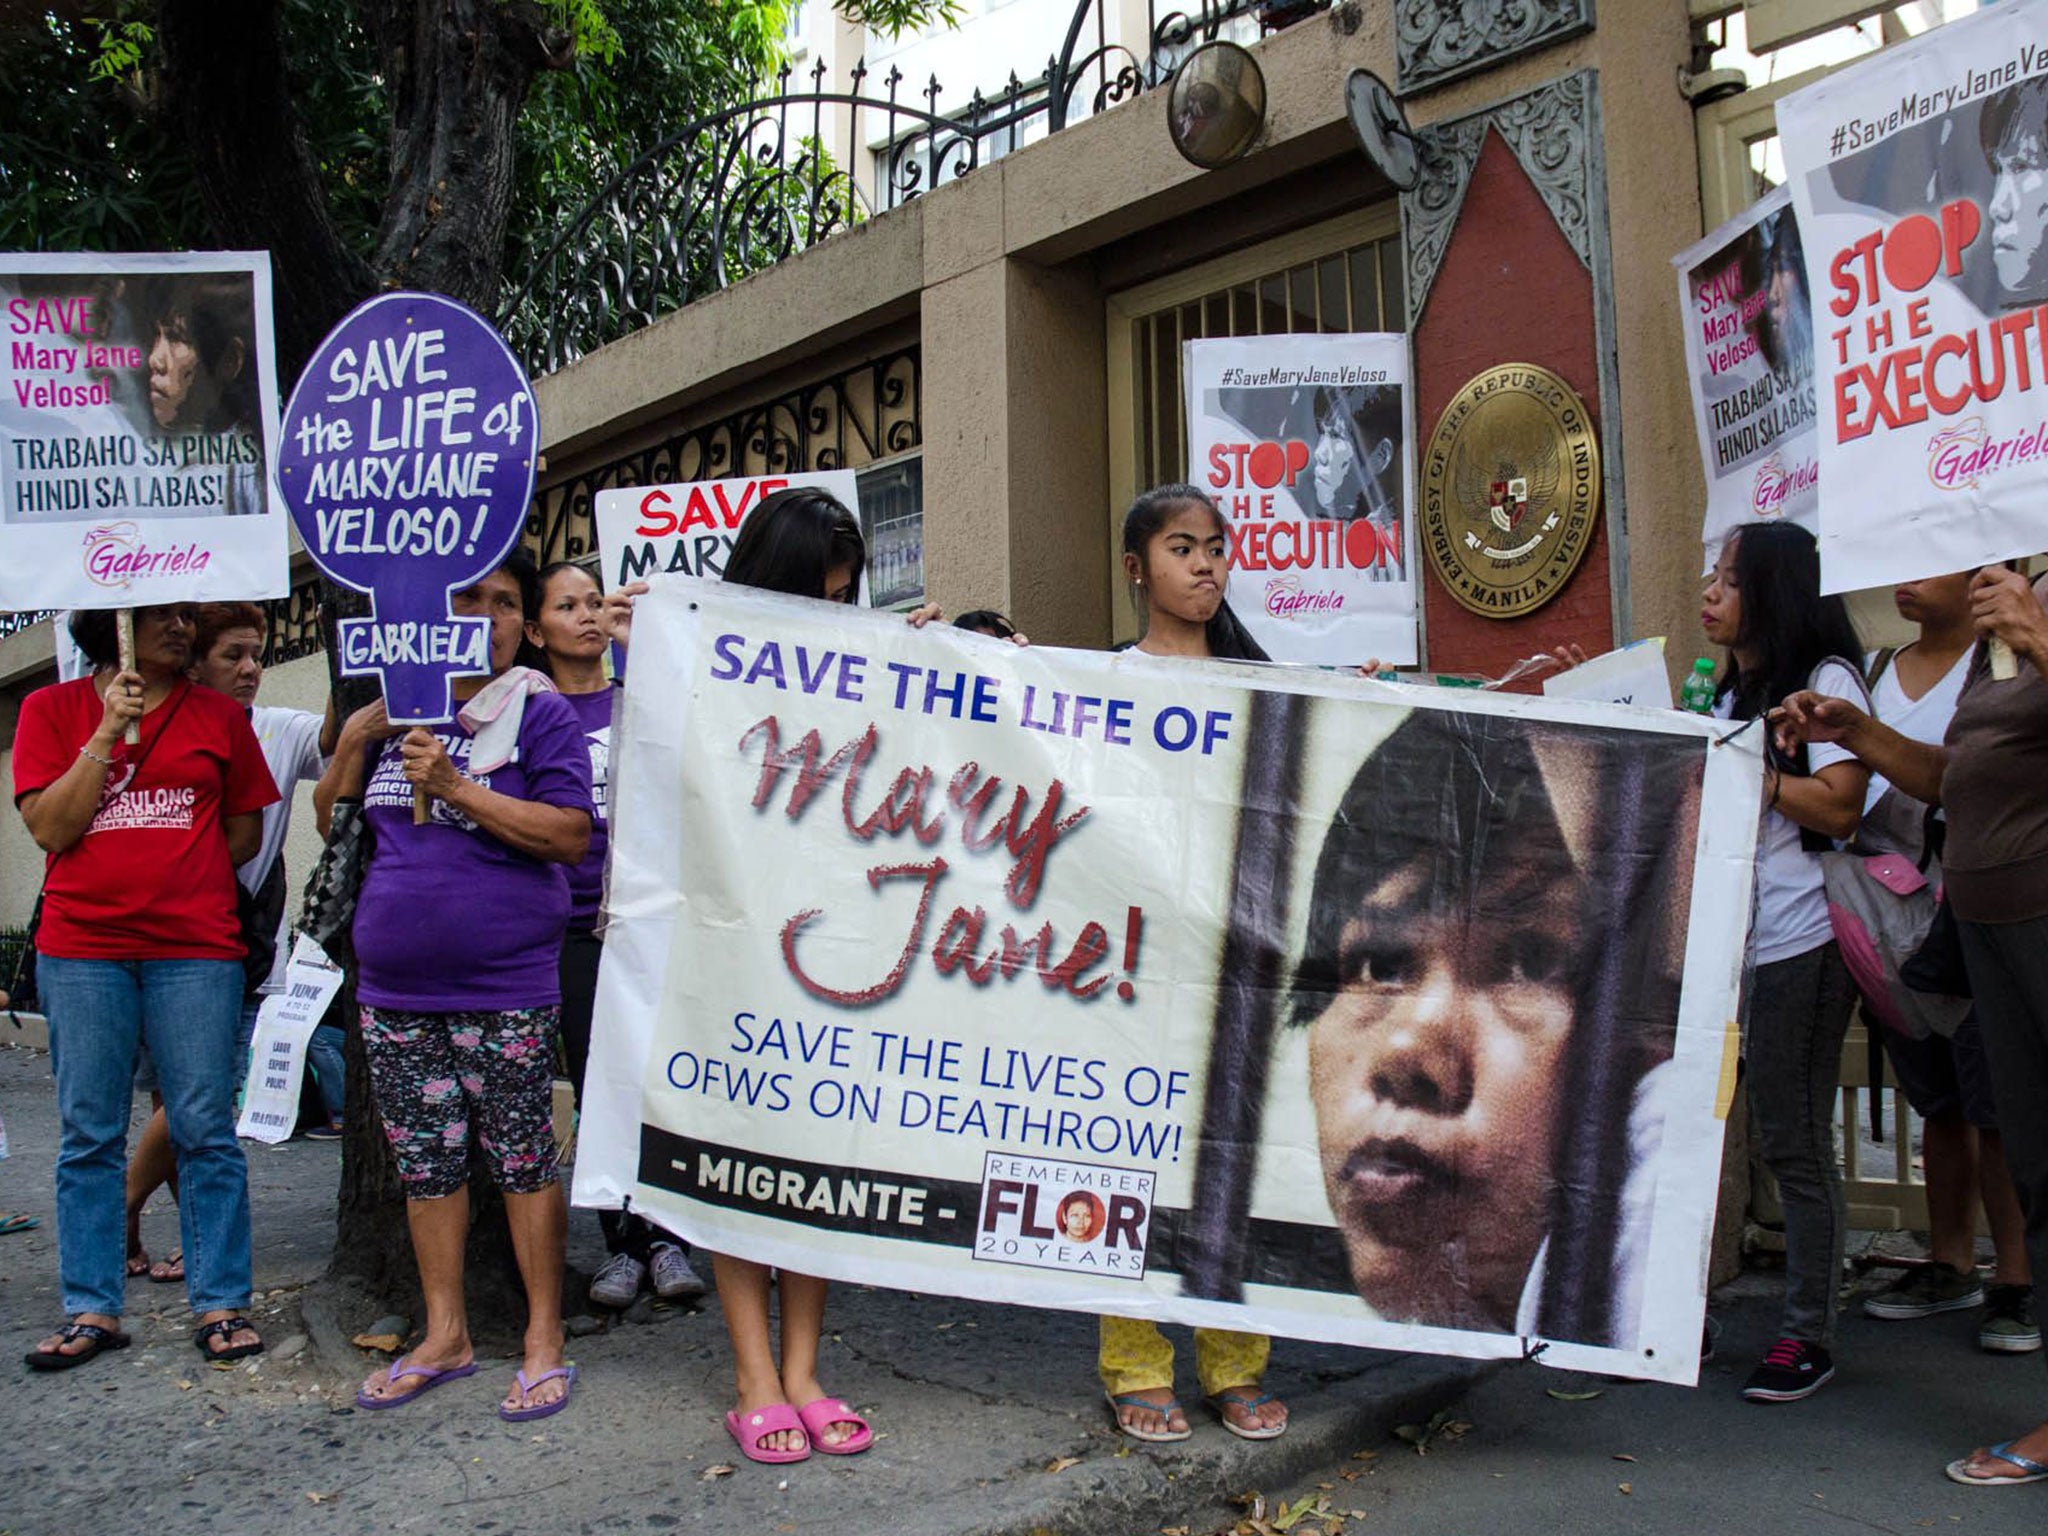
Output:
x,y
458,933
572,635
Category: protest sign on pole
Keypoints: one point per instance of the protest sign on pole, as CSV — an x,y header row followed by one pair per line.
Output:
x,y
1304,442
1092,981
1749,351
688,529
408,464
138,429
1912,172
277,1051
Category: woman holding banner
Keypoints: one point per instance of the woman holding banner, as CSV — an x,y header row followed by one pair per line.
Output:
x,y
459,1012
570,633
1176,558
1763,602
804,543
1987,776
138,943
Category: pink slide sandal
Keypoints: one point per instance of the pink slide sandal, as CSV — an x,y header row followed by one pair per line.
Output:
x,y
827,1411
775,1419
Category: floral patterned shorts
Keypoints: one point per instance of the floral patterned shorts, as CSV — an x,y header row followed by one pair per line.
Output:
x,y
434,1074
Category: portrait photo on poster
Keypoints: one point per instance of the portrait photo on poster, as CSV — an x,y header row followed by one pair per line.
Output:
x,y
1478,946
1354,433
136,395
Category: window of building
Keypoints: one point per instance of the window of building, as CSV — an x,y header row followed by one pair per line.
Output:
x,y
1339,276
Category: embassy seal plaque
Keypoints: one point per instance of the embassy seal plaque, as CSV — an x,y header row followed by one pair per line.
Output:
x,y
1510,488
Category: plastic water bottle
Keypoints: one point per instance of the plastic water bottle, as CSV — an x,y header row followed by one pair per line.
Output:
x,y
1698,693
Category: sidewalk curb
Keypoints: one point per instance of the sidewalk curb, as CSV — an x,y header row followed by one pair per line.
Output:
x,y
1192,1483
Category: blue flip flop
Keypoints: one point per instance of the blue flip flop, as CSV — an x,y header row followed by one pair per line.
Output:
x,y
566,1374
2031,1470
430,1378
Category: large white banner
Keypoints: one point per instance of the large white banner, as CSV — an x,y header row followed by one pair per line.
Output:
x,y
1749,352
1917,177
1227,995
1304,442
138,431
688,529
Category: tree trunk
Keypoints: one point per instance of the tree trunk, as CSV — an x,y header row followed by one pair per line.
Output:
x,y
228,97
457,74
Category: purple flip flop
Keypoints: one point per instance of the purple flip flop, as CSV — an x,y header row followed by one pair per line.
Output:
x,y
566,1373
401,1368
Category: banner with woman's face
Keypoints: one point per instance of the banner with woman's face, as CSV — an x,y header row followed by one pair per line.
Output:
x,y
1243,997
138,431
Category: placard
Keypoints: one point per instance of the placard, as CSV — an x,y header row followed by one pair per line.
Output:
x,y
687,529
1304,444
1915,173
277,1051
409,448
138,430
1749,350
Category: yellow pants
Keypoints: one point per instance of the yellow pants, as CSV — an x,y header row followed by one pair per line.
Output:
x,y
1136,1357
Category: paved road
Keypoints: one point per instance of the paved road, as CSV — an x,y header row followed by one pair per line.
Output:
x,y
972,1405
1863,1454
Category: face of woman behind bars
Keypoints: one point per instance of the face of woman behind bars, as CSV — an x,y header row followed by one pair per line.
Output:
x,y
1436,1073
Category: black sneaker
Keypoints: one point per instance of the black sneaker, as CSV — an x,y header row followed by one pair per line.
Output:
x,y
1924,1291
2009,1327
1792,1370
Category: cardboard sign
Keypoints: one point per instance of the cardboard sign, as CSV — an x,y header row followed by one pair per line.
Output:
x,y
1304,444
1914,172
688,529
138,431
1119,984
277,1051
408,464
1633,675
1749,349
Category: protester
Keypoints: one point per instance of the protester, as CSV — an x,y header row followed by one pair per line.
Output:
x,y
139,944
1987,777
1176,558
1945,1079
986,621
458,936
803,543
1763,602
228,658
570,633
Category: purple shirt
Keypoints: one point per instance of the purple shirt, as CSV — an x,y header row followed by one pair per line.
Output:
x,y
451,920
586,880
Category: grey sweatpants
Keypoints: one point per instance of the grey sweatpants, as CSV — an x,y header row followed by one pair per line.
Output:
x,y
2008,964
1798,1016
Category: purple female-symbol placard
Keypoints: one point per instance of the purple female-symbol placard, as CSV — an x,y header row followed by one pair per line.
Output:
x,y
408,463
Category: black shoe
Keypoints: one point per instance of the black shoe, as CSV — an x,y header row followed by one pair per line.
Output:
x,y
1792,1370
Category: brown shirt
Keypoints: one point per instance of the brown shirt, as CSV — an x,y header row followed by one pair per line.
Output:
x,y
1995,792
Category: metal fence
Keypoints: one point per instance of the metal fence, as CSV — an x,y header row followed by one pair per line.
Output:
x,y
748,185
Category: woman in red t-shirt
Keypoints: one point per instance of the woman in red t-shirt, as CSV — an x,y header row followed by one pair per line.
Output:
x,y
139,943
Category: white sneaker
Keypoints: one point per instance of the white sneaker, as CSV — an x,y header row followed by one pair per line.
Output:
x,y
674,1279
617,1282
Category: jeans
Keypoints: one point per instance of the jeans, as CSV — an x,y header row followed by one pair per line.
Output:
x,y
323,1055
2008,964
1798,1016
188,1012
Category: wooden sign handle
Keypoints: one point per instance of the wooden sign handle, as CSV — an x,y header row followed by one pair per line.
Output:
x,y
421,805
124,632
2004,665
